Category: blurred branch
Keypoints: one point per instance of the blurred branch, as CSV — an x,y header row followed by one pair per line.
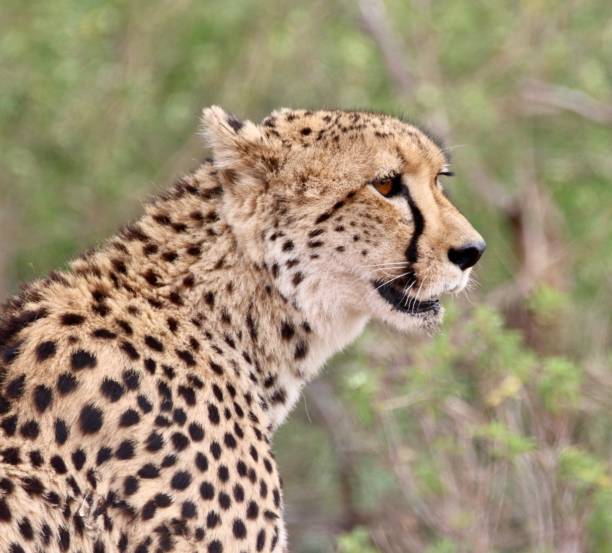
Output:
x,y
375,20
333,416
563,98
5,253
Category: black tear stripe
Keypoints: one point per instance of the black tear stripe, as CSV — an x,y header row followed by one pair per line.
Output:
x,y
412,251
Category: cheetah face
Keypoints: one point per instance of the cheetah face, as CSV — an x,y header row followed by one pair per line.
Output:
x,y
347,210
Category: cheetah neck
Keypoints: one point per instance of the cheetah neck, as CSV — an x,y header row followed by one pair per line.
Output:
x,y
182,259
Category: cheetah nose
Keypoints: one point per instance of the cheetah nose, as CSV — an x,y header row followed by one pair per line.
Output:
x,y
467,255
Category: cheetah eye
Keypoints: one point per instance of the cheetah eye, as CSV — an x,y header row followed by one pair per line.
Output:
x,y
388,186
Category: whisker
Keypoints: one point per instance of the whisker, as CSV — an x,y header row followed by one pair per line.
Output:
x,y
415,298
389,264
394,278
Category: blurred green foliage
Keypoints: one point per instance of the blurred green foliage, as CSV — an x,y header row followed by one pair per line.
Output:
x,y
492,436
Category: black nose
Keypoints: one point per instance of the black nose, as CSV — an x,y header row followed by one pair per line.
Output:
x,y
467,255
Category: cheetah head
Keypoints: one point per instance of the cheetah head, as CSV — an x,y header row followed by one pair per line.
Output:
x,y
346,210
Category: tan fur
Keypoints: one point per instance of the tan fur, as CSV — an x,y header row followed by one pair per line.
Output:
x,y
141,387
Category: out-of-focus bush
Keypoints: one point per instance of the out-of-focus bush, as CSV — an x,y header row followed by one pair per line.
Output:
x,y
493,435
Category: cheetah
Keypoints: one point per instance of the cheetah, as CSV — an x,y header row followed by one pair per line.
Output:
x,y
140,388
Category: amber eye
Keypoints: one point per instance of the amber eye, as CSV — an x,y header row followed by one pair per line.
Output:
x,y
389,186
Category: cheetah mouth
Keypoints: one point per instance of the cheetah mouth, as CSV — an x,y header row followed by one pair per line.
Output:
x,y
396,297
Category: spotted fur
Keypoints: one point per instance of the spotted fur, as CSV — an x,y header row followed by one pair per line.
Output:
x,y
140,388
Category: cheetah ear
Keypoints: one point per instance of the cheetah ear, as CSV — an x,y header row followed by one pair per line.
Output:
x,y
238,146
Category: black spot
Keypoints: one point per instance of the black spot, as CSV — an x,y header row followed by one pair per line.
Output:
x,y
144,404
131,379
170,257
130,485
238,493
241,468
46,534
216,368
43,396
187,394
306,131
288,246
10,353
125,326
6,486
25,528
153,343
225,501
201,462
71,319
45,350
212,520
223,473
104,454
61,431
90,419
30,430
148,471
168,461
103,333
14,389
235,123
112,390
150,365
82,359
9,425
186,356
11,456
321,218
196,432
261,540
129,349
17,323
58,464
78,459
63,539
180,480
163,500
287,331
36,458
66,383
207,491
301,350
154,442
229,440
179,441
252,510
280,396
32,485
148,510
125,450
179,416
215,450
213,414
189,510
130,417
239,529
